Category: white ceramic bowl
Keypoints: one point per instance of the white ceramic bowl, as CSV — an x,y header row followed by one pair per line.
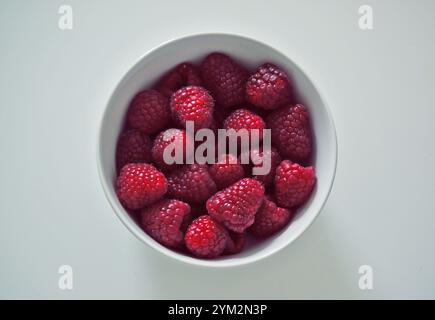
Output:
x,y
253,53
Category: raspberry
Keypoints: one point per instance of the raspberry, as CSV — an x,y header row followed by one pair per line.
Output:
x,y
149,112
183,146
293,183
192,104
166,221
225,79
205,237
207,210
133,147
270,219
140,184
245,119
235,206
226,171
269,87
185,74
235,243
191,183
291,132
275,160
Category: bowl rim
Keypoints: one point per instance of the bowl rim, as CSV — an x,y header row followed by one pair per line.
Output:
x,y
139,234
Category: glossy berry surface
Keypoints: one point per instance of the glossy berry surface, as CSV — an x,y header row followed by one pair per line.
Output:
x,y
269,87
166,221
206,238
235,206
149,112
140,184
293,183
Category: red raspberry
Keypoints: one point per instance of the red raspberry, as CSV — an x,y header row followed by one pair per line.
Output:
x,y
270,219
235,206
245,119
293,183
166,221
225,79
291,132
185,74
226,171
149,112
140,184
133,147
235,243
269,87
183,145
192,104
206,238
191,183
275,160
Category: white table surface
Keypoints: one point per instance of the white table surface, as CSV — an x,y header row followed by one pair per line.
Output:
x,y
380,85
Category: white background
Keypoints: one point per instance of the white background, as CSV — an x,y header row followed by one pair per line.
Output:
x,y
380,85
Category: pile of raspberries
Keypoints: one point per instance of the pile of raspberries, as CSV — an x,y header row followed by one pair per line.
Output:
x,y
209,210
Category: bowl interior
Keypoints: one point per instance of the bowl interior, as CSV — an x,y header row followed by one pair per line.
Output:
x,y
251,53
